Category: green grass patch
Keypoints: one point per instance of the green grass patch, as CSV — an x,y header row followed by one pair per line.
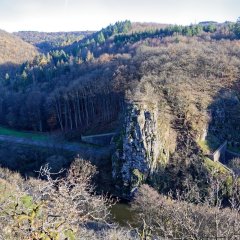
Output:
x,y
210,144
215,166
15,133
204,146
41,137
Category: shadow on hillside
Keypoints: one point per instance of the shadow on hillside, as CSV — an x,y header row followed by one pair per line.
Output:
x,y
224,122
8,68
27,160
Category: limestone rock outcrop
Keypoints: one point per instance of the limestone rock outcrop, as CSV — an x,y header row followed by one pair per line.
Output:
x,y
139,148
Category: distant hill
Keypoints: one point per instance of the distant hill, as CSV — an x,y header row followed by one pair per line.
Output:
x,y
14,50
146,26
47,41
205,23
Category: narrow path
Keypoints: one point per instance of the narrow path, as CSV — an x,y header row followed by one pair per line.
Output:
x,y
99,139
78,148
100,135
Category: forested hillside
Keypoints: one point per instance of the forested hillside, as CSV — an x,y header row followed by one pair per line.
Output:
x,y
13,50
63,82
169,94
47,41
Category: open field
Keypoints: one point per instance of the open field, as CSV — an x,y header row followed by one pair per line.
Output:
x,y
29,135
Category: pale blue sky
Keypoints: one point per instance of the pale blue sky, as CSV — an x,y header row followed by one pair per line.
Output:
x,y
69,15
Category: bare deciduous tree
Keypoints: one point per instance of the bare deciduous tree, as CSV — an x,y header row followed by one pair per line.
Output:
x,y
55,208
168,218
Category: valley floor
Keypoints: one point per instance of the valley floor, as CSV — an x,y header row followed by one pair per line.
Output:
x,y
48,141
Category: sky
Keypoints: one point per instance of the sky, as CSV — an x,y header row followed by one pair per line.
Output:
x,y
77,15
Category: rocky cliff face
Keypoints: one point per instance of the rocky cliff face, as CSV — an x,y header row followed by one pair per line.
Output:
x,y
139,148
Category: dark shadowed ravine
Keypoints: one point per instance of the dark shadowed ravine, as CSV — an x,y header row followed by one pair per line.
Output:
x,y
78,148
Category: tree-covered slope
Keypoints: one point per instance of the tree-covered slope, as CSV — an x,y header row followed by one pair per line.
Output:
x,y
14,50
68,84
47,41
165,90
